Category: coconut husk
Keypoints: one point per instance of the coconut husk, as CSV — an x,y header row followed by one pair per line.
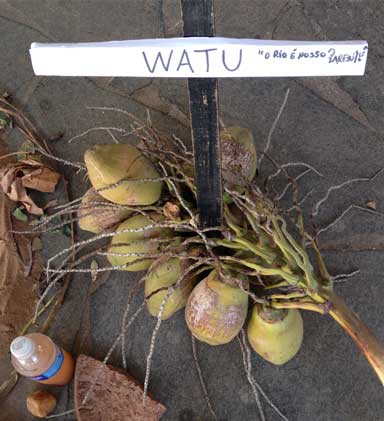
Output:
x,y
116,394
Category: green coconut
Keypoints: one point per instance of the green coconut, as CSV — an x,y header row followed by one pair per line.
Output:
x,y
137,242
238,158
109,164
275,334
216,311
96,216
164,273
238,155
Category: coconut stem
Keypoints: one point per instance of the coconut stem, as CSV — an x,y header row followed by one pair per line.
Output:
x,y
372,348
318,308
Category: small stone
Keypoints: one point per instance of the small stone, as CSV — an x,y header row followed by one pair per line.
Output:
x,y
41,403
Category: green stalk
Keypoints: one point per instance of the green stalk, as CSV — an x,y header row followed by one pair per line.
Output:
x,y
318,308
372,348
287,296
261,270
25,328
229,244
283,245
262,252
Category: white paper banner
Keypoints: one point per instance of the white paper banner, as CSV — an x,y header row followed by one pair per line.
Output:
x,y
200,57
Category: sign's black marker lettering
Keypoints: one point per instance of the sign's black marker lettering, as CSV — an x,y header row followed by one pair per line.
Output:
x,y
185,56
206,55
158,57
238,63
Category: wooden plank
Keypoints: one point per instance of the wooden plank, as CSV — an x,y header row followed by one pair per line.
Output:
x,y
198,17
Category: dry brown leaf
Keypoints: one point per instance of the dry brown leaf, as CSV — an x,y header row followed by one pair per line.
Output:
x,y
17,193
20,268
38,176
372,205
27,173
37,244
328,89
42,179
171,211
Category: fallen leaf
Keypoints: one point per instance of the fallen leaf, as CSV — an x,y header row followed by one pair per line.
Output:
x,y
171,211
227,199
37,244
328,89
5,123
66,230
26,150
20,215
20,269
371,205
17,193
16,177
42,179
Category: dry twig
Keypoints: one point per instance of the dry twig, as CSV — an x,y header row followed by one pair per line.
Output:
x,y
269,138
201,378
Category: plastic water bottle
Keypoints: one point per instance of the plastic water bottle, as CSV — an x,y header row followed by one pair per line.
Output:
x,y
37,357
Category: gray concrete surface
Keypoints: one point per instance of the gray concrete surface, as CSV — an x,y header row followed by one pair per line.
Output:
x,y
329,380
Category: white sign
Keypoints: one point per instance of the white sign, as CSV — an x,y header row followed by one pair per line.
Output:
x,y
200,57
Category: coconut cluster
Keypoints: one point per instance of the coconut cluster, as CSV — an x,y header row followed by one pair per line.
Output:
x,y
130,197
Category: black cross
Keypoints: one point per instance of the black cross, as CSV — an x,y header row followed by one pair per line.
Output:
x,y
199,21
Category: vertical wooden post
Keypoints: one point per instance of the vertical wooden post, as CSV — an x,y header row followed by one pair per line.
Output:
x,y
198,17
